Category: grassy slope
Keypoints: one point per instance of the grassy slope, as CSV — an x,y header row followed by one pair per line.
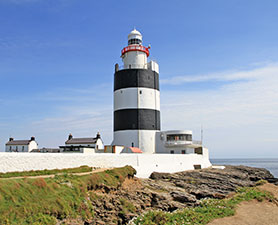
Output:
x,y
80,169
42,201
207,211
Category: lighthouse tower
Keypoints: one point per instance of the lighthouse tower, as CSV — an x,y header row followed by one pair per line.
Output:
x,y
136,97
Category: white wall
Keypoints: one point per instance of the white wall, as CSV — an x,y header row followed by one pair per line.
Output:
x,y
133,98
135,59
152,65
145,164
127,137
99,144
32,145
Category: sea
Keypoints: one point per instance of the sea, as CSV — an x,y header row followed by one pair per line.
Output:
x,y
269,164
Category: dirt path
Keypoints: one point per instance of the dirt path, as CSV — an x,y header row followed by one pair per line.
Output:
x,y
254,212
53,175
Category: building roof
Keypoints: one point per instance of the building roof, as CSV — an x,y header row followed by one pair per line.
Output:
x,y
82,141
135,150
18,142
135,32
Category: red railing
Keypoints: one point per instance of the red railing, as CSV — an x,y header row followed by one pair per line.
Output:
x,y
136,48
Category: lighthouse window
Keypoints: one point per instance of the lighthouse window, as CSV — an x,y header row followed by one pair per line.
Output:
x,y
140,92
134,41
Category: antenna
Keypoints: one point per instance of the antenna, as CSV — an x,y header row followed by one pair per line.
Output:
x,y
202,133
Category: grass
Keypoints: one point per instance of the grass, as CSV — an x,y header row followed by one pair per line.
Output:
x,y
127,206
45,201
80,169
207,211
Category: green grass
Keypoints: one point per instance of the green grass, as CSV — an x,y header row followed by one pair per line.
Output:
x,y
127,206
207,211
43,201
80,169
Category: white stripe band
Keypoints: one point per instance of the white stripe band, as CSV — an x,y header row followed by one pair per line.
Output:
x,y
134,98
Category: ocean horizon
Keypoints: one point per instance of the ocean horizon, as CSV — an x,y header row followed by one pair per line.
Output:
x,y
267,163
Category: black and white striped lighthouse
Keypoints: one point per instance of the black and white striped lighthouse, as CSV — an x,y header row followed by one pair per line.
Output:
x,y
136,97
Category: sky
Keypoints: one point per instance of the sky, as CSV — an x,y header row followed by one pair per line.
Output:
x,y
218,69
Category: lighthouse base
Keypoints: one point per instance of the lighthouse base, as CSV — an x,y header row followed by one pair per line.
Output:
x,y
143,139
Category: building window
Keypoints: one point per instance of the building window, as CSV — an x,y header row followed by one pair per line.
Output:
x,y
179,137
23,148
140,92
172,152
10,148
182,151
132,144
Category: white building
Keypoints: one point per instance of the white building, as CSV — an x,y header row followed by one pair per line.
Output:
x,y
21,145
83,145
137,106
178,142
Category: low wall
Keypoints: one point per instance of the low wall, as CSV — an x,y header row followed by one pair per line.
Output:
x,y
144,164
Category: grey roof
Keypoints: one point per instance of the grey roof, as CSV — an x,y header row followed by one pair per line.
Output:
x,y
81,141
18,142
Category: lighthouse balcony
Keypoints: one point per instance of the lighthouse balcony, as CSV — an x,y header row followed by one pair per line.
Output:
x,y
177,143
151,65
140,48
133,66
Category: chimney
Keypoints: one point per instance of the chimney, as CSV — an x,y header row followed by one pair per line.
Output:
x,y
11,139
116,67
32,138
70,137
98,135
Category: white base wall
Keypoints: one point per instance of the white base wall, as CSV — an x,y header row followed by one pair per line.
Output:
x,y
144,164
143,139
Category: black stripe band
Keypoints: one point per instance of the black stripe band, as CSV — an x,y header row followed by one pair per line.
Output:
x,y
136,119
136,78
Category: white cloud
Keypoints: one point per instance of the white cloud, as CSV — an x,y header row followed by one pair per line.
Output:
x,y
239,118
223,76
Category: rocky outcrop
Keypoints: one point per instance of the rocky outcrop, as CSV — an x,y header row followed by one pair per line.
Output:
x,y
168,192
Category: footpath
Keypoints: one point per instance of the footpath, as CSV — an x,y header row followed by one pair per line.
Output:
x,y
254,212
53,175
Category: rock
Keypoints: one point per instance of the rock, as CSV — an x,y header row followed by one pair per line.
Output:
x,y
158,176
273,180
183,197
169,192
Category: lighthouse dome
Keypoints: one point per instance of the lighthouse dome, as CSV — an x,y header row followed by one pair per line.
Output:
x,y
134,37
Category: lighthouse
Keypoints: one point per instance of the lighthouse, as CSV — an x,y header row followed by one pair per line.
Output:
x,y
136,97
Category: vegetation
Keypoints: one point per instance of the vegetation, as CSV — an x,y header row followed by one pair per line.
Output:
x,y
208,210
81,169
44,201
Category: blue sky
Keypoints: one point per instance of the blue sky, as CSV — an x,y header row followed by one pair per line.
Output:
x,y
218,69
